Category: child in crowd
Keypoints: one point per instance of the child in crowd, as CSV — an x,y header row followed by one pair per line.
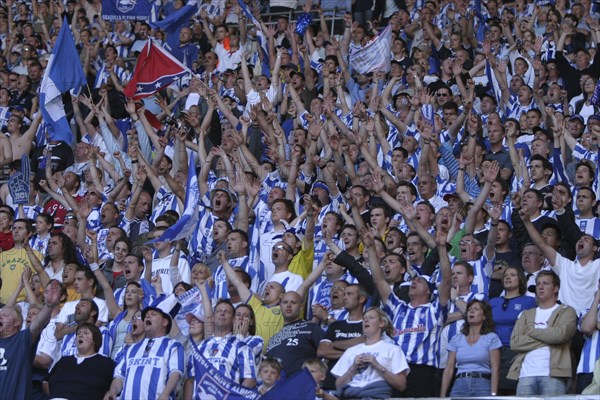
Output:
x,y
318,370
269,372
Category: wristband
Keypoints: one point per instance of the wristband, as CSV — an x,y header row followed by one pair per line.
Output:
x,y
134,161
94,266
461,169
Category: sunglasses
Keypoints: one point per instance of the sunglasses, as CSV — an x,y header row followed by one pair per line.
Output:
x,y
281,247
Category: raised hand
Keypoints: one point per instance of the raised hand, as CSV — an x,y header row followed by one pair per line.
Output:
x,y
491,172
19,184
52,293
221,257
495,211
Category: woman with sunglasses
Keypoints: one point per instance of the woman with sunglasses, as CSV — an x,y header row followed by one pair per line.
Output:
x,y
475,352
506,310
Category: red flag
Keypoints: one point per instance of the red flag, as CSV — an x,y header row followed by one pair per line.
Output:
x,y
155,69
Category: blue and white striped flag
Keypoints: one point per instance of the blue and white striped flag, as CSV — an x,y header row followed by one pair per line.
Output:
x,y
173,24
262,39
185,227
493,83
375,56
63,73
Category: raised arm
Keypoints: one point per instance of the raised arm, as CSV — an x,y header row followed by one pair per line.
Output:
x,y
314,275
548,251
233,278
109,295
382,286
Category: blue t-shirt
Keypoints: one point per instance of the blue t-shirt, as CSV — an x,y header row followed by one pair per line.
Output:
x,y
505,316
16,357
474,358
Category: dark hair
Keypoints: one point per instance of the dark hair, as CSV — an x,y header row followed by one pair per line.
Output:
x,y
545,163
165,218
403,151
93,307
522,279
488,325
185,285
227,224
589,189
96,334
252,326
225,301
504,184
468,267
338,219
289,206
387,213
124,240
69,254
89,275
428,205
28,224
413,233
538,194
363,189
409,185
450,105
240,232
49,219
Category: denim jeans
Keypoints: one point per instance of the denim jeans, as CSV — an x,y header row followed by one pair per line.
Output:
x,y
541,386
471,387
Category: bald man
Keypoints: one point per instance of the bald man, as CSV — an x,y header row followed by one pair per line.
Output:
x,y
298,340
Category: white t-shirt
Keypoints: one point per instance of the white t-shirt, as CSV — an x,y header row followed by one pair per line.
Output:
x,y
289,280
578,284
388,355
228,59
69,309
162,267
537,362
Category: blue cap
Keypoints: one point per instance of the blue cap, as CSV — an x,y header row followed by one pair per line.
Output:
x,y
322,185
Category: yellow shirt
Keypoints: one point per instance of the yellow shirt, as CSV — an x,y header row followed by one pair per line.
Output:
x,y
302,262
12,264
269,319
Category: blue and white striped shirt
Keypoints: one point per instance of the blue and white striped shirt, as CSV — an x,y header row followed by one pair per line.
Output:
x,y
229,355
417,330
68,346
591,349
146,366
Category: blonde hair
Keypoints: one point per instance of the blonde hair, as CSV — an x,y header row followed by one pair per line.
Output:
x,y
202,268
383,317
316,362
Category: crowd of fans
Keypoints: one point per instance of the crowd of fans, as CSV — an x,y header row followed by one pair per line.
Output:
x,y
430,230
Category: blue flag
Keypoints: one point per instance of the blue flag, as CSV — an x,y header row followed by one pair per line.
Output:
x,y
300,386
63,73
260,35
174,22
211,384
185,226
374,55
121,10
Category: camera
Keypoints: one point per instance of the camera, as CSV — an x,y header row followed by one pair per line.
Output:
x,y
176,123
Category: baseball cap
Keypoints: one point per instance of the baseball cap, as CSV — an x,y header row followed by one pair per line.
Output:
x,y
168,307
